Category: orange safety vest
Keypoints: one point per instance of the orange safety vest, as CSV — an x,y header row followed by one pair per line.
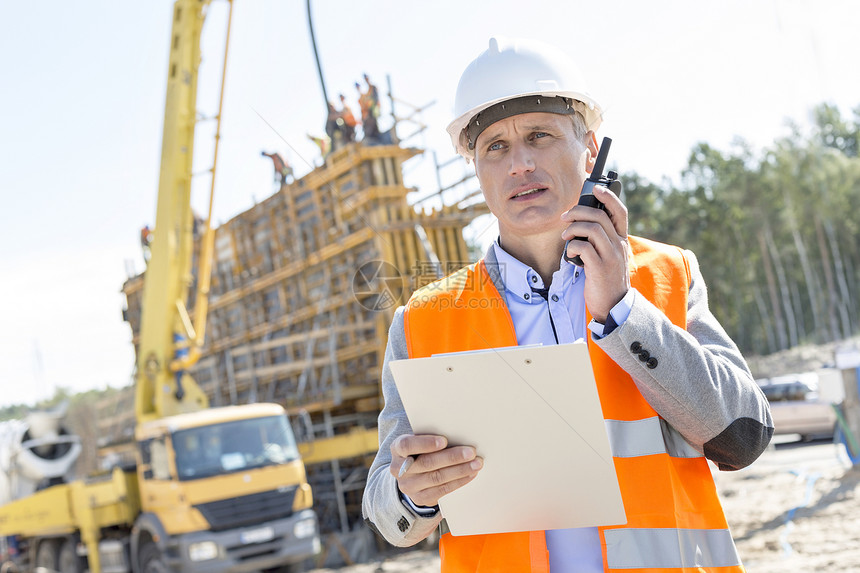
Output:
x,y
348,118
675,522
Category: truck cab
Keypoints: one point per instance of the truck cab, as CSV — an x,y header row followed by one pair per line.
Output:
x,y
187,462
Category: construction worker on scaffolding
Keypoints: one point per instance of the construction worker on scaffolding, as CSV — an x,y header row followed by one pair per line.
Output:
x,y
146,242
333,128
368,101
283,169
674,389
348,120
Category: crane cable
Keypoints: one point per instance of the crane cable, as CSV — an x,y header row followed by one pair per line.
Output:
x,y
317,57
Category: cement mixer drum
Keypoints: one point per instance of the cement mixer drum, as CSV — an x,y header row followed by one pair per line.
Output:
x,y
34,453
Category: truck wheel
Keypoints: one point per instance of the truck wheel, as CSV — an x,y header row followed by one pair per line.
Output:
x,y
151,560
46,555
68,560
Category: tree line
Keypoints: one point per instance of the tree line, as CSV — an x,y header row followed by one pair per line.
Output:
x,y
775,231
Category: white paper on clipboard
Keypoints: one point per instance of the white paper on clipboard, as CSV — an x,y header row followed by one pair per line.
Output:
x,y
534,415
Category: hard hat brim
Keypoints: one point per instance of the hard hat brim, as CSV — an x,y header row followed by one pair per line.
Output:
x,y
593,115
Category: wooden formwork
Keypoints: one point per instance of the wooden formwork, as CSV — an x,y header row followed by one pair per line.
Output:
x,y
304,286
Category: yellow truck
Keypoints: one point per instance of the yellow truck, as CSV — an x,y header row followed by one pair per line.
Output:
x,y
221,489
214,489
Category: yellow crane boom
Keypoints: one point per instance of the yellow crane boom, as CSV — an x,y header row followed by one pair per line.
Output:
x,y
169,341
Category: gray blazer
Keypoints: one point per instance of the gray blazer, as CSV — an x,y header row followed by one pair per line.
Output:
x,y
701,387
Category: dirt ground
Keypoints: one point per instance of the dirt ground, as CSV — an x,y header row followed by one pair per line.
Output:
x,y
795,510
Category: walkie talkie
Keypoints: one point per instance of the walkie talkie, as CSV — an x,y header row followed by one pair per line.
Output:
x,y
586,196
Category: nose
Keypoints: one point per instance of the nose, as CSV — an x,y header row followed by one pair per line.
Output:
x,y
521,159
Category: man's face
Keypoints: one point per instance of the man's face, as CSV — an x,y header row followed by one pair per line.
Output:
x,y
531,168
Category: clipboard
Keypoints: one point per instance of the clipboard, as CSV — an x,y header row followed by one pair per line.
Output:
x,y
534,416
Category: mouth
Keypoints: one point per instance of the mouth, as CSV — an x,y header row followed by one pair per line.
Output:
x,y
530,192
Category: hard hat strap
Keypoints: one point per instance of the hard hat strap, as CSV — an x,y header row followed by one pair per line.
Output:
x,y
507,108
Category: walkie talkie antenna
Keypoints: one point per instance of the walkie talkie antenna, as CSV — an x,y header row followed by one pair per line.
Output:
x,y
602,154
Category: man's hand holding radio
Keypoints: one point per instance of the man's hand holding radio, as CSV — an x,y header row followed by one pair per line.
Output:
x,y
604,253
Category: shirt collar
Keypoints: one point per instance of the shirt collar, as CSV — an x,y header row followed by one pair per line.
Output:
x,y
519,278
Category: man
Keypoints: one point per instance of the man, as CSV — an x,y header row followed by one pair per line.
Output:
x,y
283,169
146,242
368,101
331,127
348,119
674,389
373,96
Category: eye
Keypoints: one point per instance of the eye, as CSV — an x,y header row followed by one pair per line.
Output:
x,y
495,146
540,134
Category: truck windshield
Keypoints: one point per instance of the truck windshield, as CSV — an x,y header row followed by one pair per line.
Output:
x,y
231,447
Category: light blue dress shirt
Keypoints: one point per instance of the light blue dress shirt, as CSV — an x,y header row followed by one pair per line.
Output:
x,y
558,319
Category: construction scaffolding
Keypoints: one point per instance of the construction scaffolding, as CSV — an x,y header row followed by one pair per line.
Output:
x,y
304,286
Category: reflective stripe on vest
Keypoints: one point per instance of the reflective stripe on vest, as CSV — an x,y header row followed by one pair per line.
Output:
x,y
647,437
670,548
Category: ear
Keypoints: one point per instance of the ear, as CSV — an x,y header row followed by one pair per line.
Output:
x,y
591,151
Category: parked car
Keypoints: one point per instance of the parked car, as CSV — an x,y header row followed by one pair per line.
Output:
x,y
797,408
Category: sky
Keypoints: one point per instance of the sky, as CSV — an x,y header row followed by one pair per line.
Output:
x,y
82,88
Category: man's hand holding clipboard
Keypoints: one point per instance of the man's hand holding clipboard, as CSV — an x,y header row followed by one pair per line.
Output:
x,y
427,469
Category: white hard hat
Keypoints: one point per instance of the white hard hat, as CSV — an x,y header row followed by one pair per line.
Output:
x,y
511,69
